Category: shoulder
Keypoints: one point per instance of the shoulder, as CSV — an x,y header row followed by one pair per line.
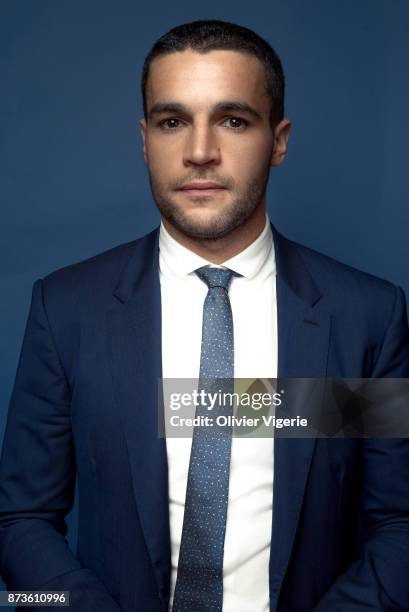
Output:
x,y
101,269
341,281
357,298
368,314
77,297
87,286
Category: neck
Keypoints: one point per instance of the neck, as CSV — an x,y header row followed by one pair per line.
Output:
x,y
218,250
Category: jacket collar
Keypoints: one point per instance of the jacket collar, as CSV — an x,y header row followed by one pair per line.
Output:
x,y
143,264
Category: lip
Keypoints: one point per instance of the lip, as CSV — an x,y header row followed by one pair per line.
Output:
x,y
202,186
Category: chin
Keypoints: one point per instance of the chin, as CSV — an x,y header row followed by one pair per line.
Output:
x,y
207,229
197,220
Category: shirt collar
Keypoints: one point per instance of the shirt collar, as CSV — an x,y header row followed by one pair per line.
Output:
x,y
177,260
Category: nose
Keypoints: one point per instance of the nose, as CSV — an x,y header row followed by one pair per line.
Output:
x,y
202,147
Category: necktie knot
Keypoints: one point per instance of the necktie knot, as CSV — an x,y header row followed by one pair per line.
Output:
x,y
216,277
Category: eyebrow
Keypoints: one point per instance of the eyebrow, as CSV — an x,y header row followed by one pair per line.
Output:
x,y
162,108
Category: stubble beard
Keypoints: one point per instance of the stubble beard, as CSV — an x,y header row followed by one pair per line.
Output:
x,y
233,216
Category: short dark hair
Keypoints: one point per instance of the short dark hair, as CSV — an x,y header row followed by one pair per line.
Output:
x,y
204,36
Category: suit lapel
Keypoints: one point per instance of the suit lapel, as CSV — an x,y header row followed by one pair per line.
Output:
x,y
134,333
303,341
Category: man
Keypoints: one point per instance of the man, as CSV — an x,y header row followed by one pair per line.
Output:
x,y
234,525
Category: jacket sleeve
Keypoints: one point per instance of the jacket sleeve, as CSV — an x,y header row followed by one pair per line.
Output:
x,y
378,580
37,476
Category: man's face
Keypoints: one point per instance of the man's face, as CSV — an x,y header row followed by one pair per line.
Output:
x,y
207,139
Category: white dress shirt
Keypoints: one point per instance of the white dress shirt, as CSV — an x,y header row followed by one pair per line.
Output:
x,y
254,310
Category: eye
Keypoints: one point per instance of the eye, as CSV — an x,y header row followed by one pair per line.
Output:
x,y
235,123
170,124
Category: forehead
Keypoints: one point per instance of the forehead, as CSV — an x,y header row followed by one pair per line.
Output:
x,y
189,76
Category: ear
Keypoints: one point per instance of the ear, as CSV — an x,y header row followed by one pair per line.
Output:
x,y
142,125
281,136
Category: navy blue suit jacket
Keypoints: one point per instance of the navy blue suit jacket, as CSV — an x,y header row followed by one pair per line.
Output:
x,y
85,402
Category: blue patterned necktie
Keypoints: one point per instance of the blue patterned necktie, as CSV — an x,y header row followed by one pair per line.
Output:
x,y
199,583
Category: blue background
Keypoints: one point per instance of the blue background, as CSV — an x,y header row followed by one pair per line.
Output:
x,y
72,177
